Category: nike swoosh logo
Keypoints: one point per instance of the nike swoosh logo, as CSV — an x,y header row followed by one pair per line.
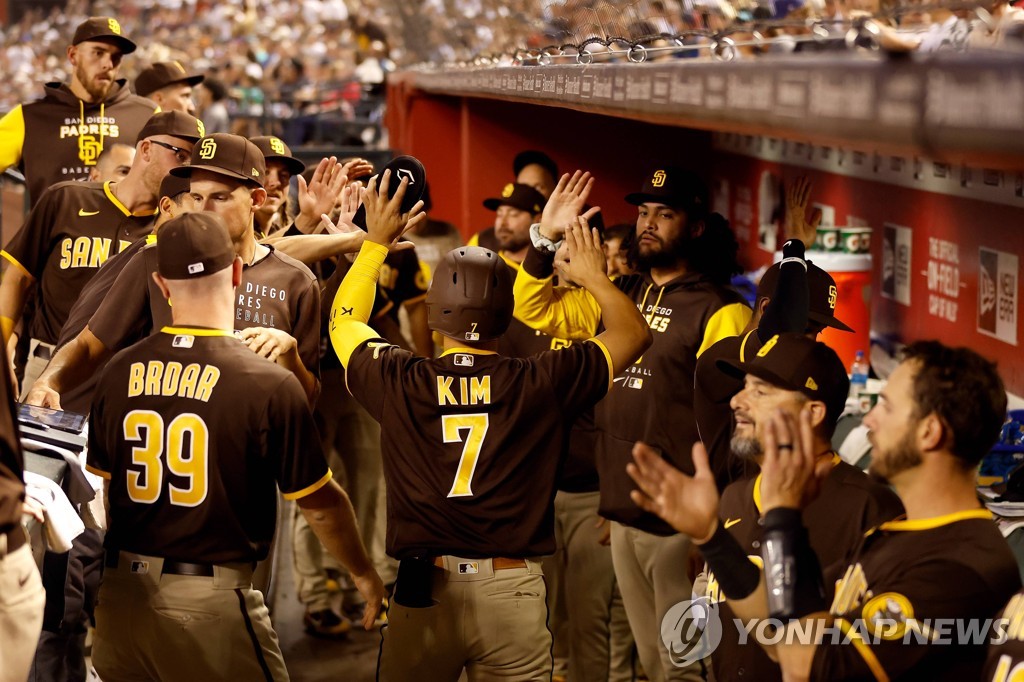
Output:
x,y
618,379
729,523
82,213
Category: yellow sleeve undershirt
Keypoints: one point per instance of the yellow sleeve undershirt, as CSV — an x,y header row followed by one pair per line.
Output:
x,y
354,302
729,320
12,138
562,312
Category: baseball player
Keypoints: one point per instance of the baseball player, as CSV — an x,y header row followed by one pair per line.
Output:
x,y
60,136
937,416
532,168
789,372
464,437
76,226
113,163
1005,657
21,607
683,265
277,306
169,85
191,432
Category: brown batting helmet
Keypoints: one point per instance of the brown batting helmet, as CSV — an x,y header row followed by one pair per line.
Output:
x,y
470,296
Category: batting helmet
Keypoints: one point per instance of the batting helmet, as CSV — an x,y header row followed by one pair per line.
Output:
x,y
470,296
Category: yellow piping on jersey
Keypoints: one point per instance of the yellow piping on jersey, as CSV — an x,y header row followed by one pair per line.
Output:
x,y
874,665
121,207
97,472
309,490
15,263
937,521
836,459
193,331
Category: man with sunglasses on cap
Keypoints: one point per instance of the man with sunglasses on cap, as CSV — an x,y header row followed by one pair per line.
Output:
x,y
790,373
60,136
684,257
189,521
76,226
169,85
471,458
277,306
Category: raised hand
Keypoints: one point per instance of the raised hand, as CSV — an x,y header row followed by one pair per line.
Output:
x,y
791,474
565,203
385,222
351,198
688,503
797,226
321,193
586,259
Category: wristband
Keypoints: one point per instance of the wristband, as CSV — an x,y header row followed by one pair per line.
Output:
x,y
791,569
540,242
736,574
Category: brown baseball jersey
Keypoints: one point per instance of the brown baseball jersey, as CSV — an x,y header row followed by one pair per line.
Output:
x,y
1006,651
908,585
472,442
276,291
850,504
192,431
66,237
402,280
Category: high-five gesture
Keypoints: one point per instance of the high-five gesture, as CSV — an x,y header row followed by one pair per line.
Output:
x,y
792,472
565,203
321,193
586,261
798,192
385,222
687,503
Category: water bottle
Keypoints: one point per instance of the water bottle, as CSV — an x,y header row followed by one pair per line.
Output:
x,y
858,377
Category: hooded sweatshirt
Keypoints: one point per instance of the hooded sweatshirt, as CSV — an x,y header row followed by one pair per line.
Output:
x,y
59,137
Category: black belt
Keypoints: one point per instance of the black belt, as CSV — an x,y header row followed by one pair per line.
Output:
x,y
43,351
171,567
15,540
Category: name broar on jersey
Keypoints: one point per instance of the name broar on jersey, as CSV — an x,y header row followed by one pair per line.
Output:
x,y
172,379
472,390
87,252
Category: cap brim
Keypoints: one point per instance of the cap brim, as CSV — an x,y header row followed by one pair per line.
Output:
x,y
738,370
829,321
638,198
126,46
186,172
294,166
493,203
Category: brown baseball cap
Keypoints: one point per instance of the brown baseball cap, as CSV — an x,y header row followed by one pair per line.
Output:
x,y
822,294
171,186
162,74
274,149
173,123
227,154
516,195
675,187
104,30
193,245
794,362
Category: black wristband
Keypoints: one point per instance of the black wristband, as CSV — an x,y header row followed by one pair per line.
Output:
x,y
793,248
539,264
736,574
791,568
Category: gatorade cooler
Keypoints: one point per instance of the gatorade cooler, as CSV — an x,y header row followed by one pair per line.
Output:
x,y
852,273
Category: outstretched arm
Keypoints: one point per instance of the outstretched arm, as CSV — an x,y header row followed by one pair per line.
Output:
x,y
70,366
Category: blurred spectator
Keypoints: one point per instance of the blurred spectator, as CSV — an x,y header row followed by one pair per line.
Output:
x,y
210,96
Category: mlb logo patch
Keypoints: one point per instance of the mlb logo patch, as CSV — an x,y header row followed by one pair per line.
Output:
x,y
140,567
469,567
634,382
183,341
193,268
463,360
472,336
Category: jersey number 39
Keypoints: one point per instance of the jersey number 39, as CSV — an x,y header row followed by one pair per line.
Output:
x,y
183,446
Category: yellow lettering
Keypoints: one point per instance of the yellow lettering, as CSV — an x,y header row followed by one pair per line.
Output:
x,y
172,374
80,256
444,392
153,374
463,390
481,390
135,374
189,377
850,590
207,381
65,254
100,251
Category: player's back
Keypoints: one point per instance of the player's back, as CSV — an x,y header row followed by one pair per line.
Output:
x,y
473,441
192,415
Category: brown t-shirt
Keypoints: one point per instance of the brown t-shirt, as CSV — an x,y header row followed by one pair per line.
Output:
x,y
472,442
66,237
277,291
193,431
